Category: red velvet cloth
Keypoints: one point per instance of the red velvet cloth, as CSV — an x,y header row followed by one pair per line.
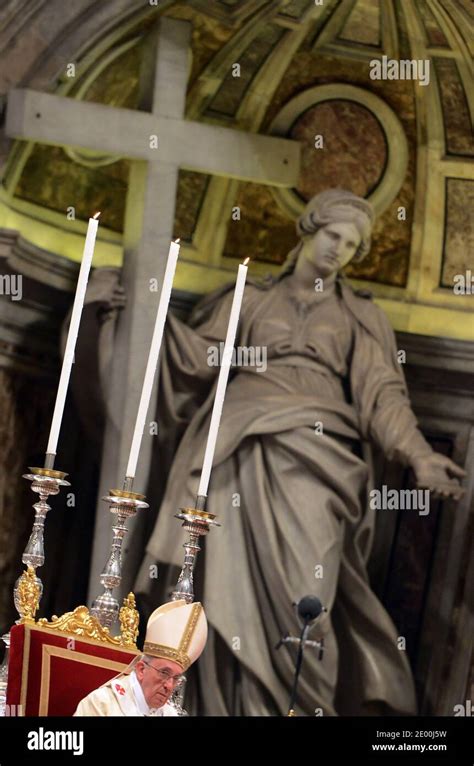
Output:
x,y
49,672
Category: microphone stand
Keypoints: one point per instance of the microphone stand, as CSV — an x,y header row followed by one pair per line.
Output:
x,y
299,662
302,641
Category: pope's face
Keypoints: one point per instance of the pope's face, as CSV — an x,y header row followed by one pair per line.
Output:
x,y
332,247
158,679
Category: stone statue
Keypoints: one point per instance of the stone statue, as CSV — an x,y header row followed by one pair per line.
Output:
x,y
291,476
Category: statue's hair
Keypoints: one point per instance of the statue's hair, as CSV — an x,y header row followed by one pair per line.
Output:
x,y
288,265
332,206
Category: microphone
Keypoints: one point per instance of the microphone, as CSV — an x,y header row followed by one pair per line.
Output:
x,y
309,607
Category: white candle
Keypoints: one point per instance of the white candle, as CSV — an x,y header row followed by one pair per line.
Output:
x,y
68,360
153,358
223,378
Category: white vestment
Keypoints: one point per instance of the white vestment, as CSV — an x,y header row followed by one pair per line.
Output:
x,y
121,695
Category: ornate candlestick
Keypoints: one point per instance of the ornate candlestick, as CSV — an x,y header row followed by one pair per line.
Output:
x,y
123,504
197,522
45,482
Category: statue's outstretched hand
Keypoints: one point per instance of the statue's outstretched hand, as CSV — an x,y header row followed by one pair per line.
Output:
x,y
439,474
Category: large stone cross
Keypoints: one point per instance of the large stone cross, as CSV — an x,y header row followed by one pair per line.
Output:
x,y
149,215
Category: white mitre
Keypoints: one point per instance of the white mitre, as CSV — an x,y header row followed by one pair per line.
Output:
x,y
176,631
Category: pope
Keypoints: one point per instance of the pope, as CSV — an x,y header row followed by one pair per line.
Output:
x,y
175,637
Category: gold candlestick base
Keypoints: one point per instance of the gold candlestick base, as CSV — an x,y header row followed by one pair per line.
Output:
x,y
28,594
82,623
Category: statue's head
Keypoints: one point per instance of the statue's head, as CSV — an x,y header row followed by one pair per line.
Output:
x,y
334,229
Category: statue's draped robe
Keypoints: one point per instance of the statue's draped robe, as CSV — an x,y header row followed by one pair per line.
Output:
x,y
292,501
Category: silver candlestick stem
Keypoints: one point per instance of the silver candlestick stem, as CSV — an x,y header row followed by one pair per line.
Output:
x,y
177,697
45,482
123,504
197,522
